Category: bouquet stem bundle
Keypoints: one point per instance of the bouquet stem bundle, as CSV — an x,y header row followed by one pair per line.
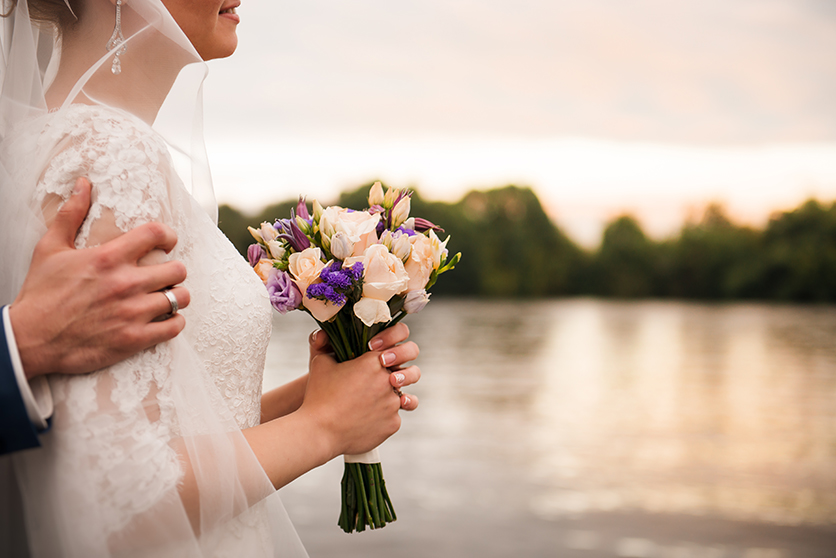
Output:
x,y
365,501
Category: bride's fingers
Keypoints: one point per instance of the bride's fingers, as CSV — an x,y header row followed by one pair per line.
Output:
x,y
399,354
409,402
389,337
405,377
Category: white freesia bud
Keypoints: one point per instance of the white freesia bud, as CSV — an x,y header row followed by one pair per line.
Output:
x,y
268,232
438,248
276,249
401,247
303,225
376,194
386,239
409,224
415,301
341,245
389,198
401,212
256,234
317,211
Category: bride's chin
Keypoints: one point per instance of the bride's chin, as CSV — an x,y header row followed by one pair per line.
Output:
x,y
218,50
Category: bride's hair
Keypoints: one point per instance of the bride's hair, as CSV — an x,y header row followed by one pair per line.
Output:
x,y
56,14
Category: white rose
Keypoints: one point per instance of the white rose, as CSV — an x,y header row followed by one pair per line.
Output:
x,y
359,226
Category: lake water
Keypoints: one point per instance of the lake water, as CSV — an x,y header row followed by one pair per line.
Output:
x,y
596,428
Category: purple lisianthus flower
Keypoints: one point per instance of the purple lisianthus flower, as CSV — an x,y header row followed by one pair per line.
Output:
x,y
283,292
406,231
255,253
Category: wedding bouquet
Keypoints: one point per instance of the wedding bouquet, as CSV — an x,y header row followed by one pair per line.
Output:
x,y
356,273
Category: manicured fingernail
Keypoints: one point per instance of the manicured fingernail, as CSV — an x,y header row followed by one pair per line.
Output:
x,y
387,358
399,378
312,339
375,344
405,401
77,187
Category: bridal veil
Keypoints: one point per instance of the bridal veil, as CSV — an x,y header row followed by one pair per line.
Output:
x,y
147,458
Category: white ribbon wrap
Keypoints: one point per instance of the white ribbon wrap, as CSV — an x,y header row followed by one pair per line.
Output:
x,y
368,457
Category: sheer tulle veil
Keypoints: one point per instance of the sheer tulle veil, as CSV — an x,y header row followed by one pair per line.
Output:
x,y
154,465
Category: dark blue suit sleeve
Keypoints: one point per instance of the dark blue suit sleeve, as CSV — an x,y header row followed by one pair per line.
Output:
x,y
16,430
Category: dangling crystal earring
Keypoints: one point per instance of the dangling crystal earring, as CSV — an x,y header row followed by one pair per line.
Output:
x,y
117,41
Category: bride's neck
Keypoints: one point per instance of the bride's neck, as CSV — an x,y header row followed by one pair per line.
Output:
x,y
148,71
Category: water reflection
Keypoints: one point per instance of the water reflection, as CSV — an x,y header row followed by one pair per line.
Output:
x,y
561,408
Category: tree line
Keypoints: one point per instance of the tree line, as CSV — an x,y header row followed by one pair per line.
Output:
x,y
511,248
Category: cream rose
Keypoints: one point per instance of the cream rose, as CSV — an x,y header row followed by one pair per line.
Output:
x,y
305,267
262,269
419,265
384,276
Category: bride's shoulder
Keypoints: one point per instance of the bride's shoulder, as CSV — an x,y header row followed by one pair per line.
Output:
x,y
99,125
125,159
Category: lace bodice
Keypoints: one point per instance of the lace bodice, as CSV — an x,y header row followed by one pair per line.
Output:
x,y
228,319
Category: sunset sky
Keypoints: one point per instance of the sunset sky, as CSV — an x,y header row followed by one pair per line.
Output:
x,y
602,106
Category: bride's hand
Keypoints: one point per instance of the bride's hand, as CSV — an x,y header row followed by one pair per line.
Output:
x,y
355,402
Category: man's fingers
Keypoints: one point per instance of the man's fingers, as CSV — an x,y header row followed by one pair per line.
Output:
x,y
162,305
158,332
69,218
160,276
138,242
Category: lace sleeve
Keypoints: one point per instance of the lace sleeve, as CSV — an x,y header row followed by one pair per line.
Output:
x,y
143,457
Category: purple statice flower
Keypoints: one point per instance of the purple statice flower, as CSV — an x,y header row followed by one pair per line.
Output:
x,y
255,253
334,276
406,231
283,292
355,271
326,291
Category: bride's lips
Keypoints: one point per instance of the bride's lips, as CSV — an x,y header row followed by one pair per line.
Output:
x,y
228,11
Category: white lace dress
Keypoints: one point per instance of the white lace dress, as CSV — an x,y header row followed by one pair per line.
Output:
x,y
129,441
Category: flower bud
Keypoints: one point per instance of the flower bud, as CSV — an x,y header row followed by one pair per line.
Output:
x,y
401,247
409,224
341,246
376,194
304,226
401,212
415,301
317,211
256,234
390,197
277,250
268,232
386,239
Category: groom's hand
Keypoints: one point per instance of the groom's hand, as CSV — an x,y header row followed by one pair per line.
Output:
x,y
81,310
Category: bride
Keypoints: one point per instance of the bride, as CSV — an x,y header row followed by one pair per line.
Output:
x,y
174,451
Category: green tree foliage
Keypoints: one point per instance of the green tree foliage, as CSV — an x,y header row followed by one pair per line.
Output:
x,y
511,248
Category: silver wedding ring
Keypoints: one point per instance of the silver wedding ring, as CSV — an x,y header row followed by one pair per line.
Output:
x,y
173,301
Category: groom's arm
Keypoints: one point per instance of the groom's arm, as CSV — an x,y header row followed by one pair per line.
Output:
x,y
101,311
